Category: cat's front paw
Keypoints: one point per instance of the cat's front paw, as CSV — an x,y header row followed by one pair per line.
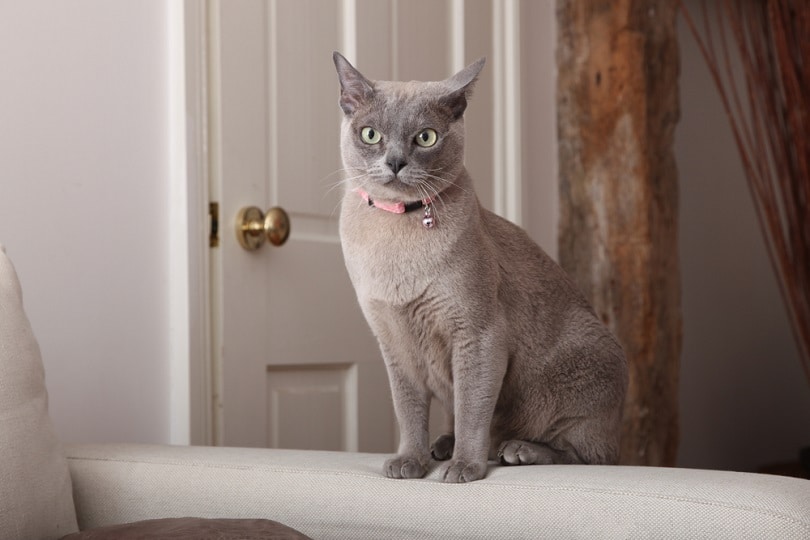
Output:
x,y
458,471
404,467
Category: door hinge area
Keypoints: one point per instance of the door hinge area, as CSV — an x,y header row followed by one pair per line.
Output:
x,y
213,224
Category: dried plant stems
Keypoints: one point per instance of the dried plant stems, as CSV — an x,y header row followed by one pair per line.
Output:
x,y
771,128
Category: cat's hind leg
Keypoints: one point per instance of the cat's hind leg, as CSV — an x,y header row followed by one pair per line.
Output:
x,y
584,444
442,447
516,452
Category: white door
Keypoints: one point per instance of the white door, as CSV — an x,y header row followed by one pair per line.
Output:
x,y
296,365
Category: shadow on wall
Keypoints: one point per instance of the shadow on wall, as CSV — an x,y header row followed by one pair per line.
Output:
x,y
744,400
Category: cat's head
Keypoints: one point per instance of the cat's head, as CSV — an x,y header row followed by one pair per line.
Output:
x,y
403,139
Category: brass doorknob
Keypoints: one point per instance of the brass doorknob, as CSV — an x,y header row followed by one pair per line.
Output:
x,y
253,227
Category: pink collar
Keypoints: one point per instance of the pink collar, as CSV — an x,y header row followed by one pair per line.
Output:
x,y
394,207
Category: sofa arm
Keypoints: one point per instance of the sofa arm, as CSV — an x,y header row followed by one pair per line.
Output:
x,y
344,495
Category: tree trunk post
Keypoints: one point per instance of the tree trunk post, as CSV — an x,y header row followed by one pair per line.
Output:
x,y
617,98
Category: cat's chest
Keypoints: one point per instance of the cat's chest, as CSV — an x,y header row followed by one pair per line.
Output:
x,y
394,276
392,258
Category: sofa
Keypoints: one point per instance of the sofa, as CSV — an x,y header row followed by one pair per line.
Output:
x,y
49,490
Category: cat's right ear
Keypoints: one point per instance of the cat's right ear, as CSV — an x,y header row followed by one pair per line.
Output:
x,y
354,88
460,87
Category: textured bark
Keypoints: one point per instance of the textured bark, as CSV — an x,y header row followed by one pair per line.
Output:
x,y
617,99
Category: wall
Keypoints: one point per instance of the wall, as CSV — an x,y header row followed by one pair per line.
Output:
x,y
744,399
539,92
83,205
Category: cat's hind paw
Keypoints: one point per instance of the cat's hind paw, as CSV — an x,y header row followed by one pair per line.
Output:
x,y
442,447
525,453
458,471
404,467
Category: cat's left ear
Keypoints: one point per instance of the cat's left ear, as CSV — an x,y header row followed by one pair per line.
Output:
x,y
460,87
354,88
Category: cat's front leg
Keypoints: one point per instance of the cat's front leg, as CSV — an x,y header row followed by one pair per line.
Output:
x,y
411,405
478,370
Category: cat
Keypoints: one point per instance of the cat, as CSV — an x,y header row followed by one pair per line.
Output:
x,y
464,305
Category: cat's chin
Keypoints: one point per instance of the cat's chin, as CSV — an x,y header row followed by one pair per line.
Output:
x,y
395,189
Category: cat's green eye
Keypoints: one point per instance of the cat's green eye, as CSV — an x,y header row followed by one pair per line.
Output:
x,y
370,135
426,138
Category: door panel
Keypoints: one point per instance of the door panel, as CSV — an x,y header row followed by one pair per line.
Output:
x,y
324,398
303,117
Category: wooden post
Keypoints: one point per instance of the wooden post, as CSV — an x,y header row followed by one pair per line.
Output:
x,y
617,100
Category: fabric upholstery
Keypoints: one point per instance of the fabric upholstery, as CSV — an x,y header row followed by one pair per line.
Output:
x,y
35,489
192,529
344,495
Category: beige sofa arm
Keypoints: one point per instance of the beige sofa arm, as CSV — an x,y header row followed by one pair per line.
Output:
x,y
343,495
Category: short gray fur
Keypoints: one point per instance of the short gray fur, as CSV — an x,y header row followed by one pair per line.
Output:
x,y
470,311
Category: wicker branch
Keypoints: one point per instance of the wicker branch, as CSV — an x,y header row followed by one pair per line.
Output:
x,y
771,129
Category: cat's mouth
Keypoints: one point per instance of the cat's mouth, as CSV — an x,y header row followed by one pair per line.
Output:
x,y
408,183
398,183
401,185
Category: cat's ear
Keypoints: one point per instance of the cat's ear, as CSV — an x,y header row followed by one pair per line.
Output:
x,y
354,88
460,87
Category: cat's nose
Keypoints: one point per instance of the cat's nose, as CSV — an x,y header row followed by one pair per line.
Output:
x,y
396,164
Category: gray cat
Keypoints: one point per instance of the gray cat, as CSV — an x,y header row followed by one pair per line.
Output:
x,y
464,305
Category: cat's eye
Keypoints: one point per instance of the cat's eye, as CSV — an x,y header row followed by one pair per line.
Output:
x,y
370,135
426,138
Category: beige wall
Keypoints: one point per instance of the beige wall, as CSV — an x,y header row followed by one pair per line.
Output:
x,y
539,92
744,399
83,205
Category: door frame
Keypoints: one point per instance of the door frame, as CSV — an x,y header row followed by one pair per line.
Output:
x,y
190,311
194,370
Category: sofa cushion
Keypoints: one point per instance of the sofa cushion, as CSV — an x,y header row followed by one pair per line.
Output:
x,y
192,529
35,490
345,495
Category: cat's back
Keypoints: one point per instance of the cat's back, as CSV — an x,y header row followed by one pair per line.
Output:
x,y
539,297
522,260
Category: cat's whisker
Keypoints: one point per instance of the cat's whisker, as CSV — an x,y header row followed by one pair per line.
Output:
x,y
422,193
437,193
430,192
333,187
350,178
442,179
422,187
450,182
441,200
335,209
340,170
431,188
340,200
342,182
350,170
